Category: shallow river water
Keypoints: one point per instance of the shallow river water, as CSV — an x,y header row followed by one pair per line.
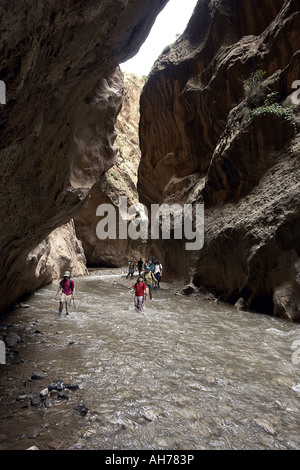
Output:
x,y
184,374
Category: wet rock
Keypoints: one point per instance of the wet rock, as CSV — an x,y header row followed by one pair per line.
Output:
x,y
296,388
47,403
71,386
60,385
35,401
189,289
265,426
33,448
82,409
37,376
240,304
64,394
24,397
211,298
57,385
13,352
44,393
12,339
16,306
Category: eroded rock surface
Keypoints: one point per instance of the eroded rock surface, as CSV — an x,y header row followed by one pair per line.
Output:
x,y
119,181
59,252
58,62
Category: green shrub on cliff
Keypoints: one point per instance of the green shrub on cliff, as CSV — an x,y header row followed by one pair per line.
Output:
x,y
272,107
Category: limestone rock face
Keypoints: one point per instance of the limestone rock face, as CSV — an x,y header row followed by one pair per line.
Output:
x,y
119,181
200,144
58,62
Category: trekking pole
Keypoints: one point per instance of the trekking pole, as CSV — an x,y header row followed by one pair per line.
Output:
x,y
74,302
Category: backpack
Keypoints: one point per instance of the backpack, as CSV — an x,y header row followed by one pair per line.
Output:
x,y
71,285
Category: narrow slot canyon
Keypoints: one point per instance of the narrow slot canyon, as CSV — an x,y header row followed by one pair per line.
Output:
x,y
195,165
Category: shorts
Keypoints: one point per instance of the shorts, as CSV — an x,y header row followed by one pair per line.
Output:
x,y
65,301
151,286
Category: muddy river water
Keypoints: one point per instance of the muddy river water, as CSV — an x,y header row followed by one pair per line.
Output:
x,y
184,374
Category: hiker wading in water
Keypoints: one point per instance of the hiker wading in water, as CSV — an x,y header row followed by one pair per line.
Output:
x,y
67,287
131,266
150,282
140,264
157,273
139,289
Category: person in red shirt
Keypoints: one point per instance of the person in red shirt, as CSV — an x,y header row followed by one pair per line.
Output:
x,y
139,289
67,287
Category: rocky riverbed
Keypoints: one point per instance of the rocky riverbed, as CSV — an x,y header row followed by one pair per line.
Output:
x,y
34,396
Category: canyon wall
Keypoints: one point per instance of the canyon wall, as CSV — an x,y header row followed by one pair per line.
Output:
x,y
217,128
62,250
59,252
119,181
58,62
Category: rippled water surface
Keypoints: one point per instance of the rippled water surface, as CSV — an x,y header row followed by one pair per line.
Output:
x,y
184,374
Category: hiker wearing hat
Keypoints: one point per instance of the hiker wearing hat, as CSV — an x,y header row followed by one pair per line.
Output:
x,y
67,288
139,288
151,264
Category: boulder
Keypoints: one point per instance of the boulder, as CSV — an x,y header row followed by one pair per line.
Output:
x,y
12,339
240,304
81,409
286,300
37,376
189,289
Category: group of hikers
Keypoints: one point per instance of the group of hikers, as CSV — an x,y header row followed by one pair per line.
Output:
x,y
149,277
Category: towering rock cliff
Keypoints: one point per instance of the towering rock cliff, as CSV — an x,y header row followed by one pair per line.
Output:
x,y
58,62
119,181
217,128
